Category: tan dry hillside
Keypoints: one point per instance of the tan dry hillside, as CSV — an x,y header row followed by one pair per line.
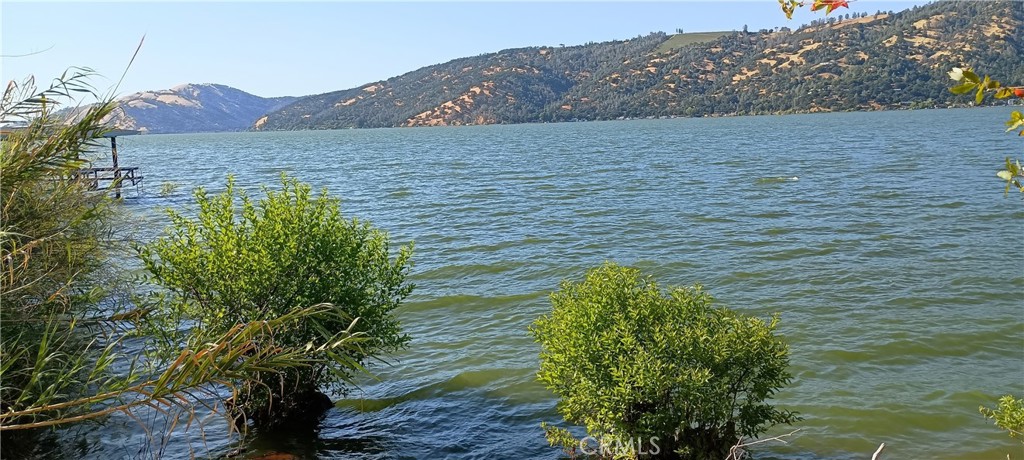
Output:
x,y
872,62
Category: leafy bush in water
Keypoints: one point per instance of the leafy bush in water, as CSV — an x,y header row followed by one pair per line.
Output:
x,y
239,261
1008,415
661,374
64,357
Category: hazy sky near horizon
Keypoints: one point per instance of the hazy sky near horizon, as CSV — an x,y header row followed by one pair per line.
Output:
x,y
296,49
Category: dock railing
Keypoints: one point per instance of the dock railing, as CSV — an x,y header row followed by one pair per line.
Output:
x,y
107,178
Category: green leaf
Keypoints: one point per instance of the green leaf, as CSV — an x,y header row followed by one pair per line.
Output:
x,y
1005,175
971,76
979,97
963,89
1004,93
990,84
1016,121
789,7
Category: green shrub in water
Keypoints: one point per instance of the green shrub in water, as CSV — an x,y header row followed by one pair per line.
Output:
x,y
657,374
241,260
1008,415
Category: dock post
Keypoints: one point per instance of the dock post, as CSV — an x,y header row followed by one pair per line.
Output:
x,y
117,171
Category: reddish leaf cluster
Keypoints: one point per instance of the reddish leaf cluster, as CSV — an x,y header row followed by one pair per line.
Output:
x,y
790,6
829,5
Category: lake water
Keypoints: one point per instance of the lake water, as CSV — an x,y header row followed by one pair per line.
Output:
x,y
884,239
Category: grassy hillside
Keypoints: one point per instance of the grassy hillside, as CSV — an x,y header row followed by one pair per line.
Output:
x,y
858,63
678,41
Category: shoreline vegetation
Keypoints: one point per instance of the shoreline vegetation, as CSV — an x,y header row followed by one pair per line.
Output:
x,y
70,311
254,308
253,352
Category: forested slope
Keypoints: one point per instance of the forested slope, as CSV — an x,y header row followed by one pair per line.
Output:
x,y
870,62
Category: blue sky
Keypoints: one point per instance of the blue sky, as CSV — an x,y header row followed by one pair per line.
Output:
x,y
278,49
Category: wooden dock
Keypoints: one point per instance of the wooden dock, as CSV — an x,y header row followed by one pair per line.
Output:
x,y
101,178
109,178
118,175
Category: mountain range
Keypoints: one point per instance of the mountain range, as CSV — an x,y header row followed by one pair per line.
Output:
x,y
193,108
842,62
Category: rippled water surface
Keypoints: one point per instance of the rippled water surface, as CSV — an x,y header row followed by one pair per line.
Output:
x,y
884,240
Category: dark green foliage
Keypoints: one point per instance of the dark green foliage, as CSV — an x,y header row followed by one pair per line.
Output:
x,y
52,249
240,260
630,362
877,62
52,227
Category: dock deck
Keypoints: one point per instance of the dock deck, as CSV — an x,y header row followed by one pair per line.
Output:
x,y
109,178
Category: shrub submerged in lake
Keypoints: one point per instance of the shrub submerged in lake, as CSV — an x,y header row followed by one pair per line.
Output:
x,y
239,261
656,374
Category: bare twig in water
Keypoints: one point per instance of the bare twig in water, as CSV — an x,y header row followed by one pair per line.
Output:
x,y
878,452
738,453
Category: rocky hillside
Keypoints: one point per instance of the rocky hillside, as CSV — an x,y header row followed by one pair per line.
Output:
x,y
843,62
506,87
193,108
